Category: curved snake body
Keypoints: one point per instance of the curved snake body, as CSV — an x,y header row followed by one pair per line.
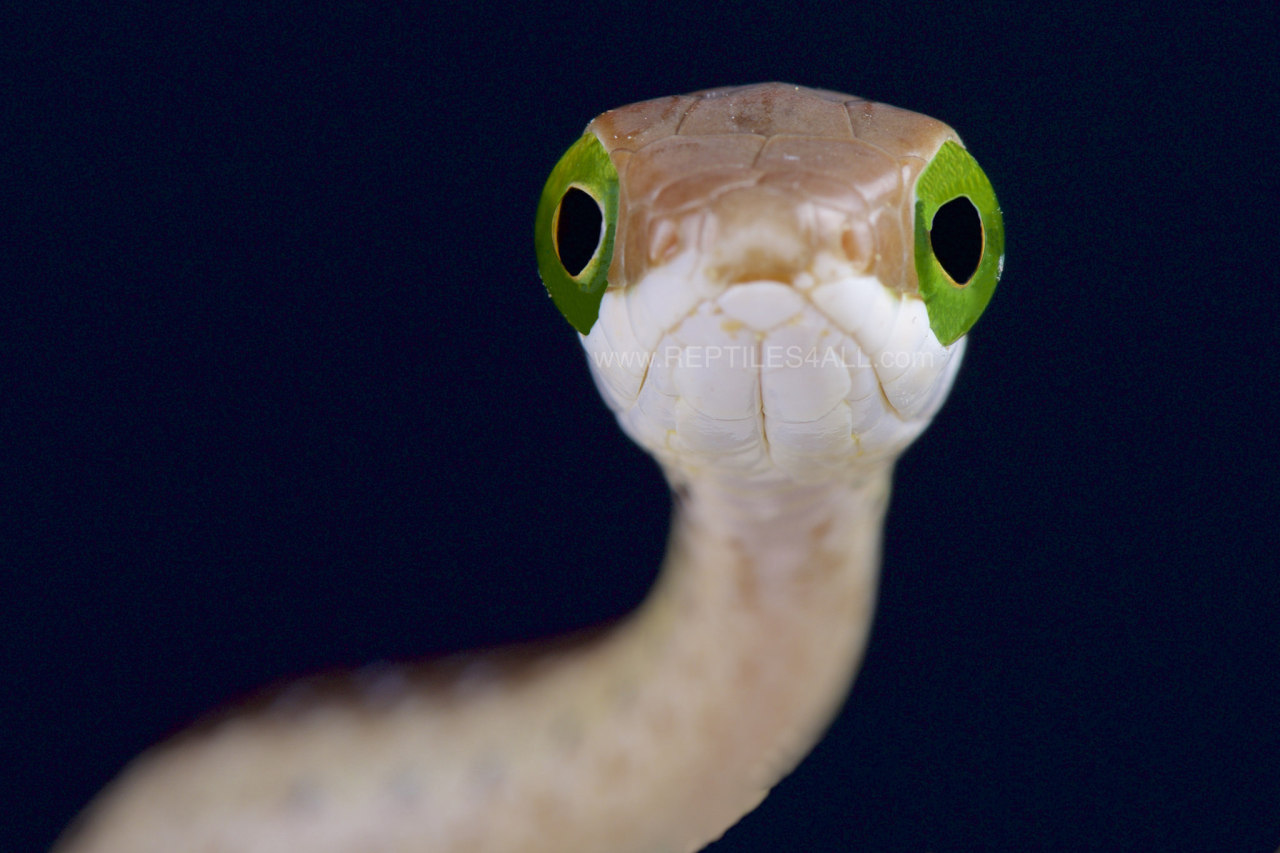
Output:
x,y
762,334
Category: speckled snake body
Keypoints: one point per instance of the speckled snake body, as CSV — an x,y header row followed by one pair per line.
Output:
x,y
762,337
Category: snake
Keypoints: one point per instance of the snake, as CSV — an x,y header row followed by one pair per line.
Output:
x,y
773,286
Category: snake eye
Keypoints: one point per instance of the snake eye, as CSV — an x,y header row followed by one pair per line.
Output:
x,y
574,230
959,241
579,230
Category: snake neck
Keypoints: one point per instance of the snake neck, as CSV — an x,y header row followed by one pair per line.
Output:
x,y
779,532
761,616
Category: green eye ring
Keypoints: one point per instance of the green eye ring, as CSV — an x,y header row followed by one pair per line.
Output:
x,y
959,241
573,260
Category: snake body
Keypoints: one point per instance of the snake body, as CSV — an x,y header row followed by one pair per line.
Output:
x,y
761,326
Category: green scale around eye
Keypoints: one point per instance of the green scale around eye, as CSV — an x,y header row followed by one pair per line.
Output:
x,y
955,306
586,167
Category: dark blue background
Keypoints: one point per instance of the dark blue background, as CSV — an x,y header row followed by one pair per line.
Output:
x,y
281,391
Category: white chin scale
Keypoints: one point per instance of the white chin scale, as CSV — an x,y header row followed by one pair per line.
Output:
x,y
827,376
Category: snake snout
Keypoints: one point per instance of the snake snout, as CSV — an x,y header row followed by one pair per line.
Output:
x,y
754,234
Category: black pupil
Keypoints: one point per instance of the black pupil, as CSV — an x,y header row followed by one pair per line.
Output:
x,y
578,231
956,237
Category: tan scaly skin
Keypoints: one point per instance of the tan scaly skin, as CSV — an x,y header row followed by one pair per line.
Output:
x,y
661,732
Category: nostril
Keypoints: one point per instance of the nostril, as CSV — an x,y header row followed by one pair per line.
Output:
x,y
856,245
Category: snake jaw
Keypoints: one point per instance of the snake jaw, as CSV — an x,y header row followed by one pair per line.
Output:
x,y
828,375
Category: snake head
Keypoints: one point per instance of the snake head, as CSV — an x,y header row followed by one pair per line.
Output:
x,y
770,280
